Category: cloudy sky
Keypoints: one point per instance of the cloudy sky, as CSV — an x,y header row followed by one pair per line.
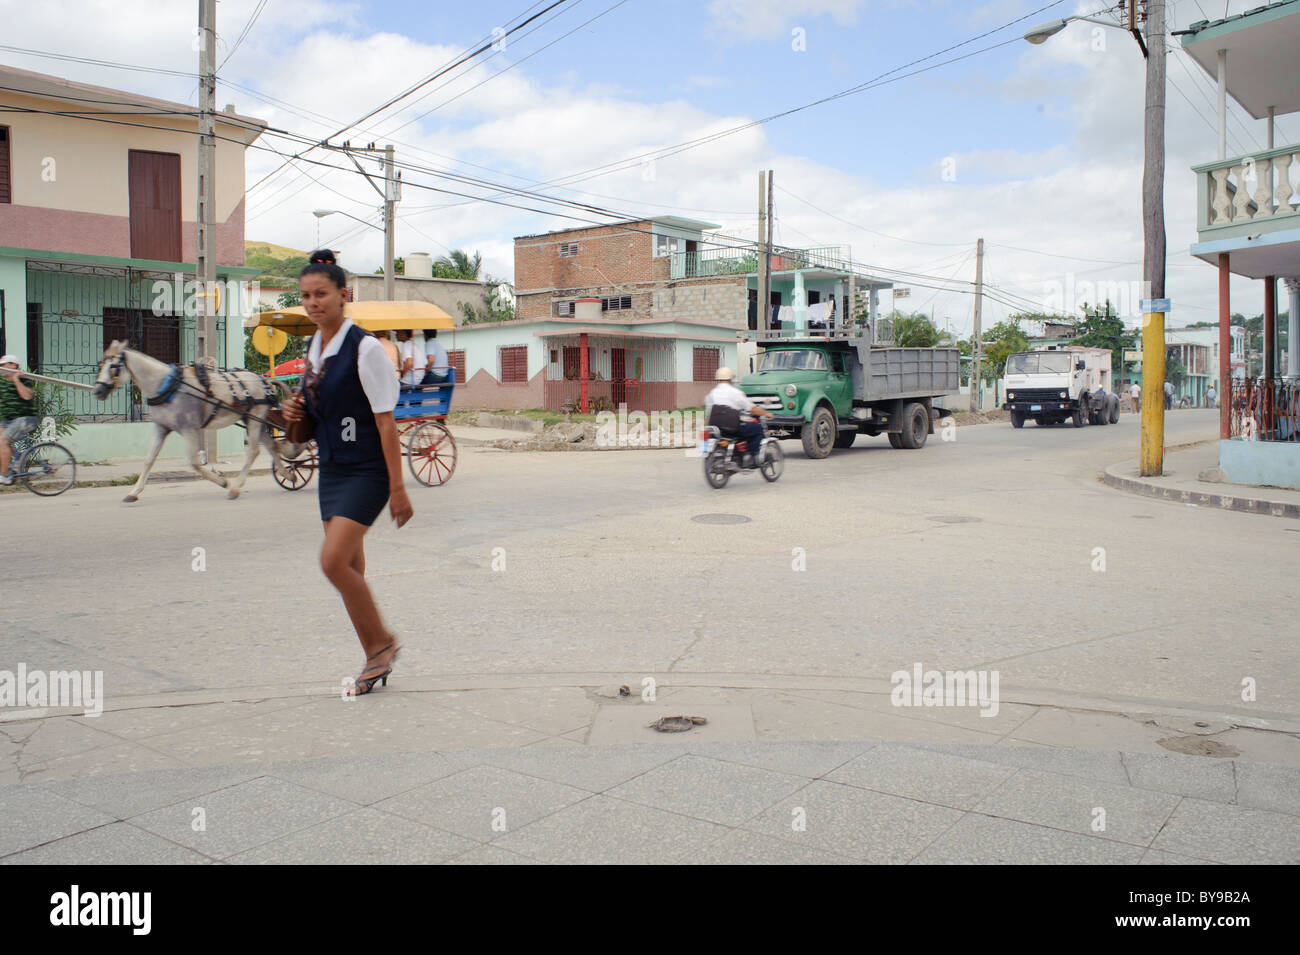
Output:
x,y
1037,149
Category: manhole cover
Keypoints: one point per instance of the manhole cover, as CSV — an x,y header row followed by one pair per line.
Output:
x,y
721,519
954,519
677,724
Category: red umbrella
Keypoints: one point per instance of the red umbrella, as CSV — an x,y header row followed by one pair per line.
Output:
x,y
296,367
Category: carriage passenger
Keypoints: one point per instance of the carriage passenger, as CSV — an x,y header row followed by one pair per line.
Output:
x,y
413,358
350,394
437,367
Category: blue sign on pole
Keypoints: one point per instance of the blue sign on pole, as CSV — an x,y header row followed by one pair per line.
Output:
x,y
1154,305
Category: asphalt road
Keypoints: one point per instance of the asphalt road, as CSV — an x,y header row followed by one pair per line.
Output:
x,y
975,552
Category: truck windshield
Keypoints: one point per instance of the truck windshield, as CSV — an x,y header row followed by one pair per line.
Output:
x,y
801,358
1039,363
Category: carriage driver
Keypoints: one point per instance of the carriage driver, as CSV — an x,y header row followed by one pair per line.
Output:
x,y
725,393
17,411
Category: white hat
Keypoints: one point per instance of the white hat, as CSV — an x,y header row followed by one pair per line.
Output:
x,y
7,359
724,374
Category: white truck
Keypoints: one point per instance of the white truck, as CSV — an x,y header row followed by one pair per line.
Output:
x,y
1060,382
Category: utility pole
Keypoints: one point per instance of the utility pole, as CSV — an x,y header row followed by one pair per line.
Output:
x,y
390,223
761,309
1152,444
976,398
767,248
205,262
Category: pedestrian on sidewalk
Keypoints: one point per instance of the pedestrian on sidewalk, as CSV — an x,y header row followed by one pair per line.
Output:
x,y
350,392
1211,397
1169,395
1135,396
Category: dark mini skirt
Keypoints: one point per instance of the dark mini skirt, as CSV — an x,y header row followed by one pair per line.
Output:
x,y
357,492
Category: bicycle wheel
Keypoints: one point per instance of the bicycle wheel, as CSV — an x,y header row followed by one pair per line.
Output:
x,y
431,454
48,469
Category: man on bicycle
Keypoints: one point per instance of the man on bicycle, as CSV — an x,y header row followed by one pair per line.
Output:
x,y
17,411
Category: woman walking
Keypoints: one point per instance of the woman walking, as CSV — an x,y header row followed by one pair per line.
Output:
x,y
350,392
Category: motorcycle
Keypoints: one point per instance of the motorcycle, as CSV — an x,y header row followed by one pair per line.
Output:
x,y
725,455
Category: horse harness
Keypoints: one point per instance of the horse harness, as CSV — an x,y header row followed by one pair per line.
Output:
x,y
243,400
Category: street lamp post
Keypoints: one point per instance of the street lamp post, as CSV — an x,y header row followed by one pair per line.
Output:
x,y
1151,449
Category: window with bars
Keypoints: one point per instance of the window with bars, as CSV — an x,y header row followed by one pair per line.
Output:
x,y
457,360
514,364
564,308
568,249
621,302
705,363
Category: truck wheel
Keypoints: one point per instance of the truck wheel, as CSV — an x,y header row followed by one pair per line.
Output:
x,y
845,439
1114,410
895,440
1081,413
1017,419
819,434
916,426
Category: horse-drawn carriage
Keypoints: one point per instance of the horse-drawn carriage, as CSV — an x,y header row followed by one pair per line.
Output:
x,y
421,412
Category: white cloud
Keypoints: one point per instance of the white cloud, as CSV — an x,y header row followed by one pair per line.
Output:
x,y
760,18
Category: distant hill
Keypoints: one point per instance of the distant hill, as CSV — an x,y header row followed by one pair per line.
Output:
x,y
270,248
278,266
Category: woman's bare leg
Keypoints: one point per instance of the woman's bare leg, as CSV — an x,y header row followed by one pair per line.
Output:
x,y
343,560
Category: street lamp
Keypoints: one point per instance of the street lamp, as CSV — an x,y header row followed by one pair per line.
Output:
x,y
1151,448
322,213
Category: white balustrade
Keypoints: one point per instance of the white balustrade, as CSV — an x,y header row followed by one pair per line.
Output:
x,y
1240,190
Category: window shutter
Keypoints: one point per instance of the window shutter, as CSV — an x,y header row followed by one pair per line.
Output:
x,y
514,365
705,363
6,194
457,359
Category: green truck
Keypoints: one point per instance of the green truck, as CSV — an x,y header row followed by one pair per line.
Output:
x,y
827,386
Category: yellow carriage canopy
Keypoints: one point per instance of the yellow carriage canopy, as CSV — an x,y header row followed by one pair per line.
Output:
x,y
372,316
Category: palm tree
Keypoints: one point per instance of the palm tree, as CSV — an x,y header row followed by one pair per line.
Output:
x,y
458,265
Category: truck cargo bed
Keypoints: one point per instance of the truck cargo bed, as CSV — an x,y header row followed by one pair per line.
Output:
x,y
907,373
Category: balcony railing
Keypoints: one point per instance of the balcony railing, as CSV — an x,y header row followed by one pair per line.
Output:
x,y
1239,191
1264,410
745,261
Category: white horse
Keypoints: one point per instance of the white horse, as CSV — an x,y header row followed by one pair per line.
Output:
x,y
180,402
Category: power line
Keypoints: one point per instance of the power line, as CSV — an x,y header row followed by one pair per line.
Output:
x,y
247,27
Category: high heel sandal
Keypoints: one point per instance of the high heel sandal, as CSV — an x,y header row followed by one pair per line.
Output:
x,y
363,685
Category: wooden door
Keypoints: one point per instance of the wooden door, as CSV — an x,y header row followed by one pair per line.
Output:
x,y
155,202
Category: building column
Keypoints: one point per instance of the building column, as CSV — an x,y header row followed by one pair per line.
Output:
x,y
1293,328
1225,351
584,364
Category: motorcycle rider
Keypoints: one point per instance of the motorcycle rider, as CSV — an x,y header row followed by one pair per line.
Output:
x,y
726,394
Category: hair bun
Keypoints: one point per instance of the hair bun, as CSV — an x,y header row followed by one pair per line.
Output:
x,y
323,257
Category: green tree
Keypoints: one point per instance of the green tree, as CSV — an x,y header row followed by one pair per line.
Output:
x,y
1101,327
914,330
296,347
997,344
500,308
399,267
457,264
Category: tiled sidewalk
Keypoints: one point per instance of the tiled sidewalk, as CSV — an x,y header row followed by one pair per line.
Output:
x,y
730,802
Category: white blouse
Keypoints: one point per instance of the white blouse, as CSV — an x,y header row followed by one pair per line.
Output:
x,y
374,367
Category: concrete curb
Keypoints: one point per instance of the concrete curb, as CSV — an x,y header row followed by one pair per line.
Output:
x,y
1230,502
